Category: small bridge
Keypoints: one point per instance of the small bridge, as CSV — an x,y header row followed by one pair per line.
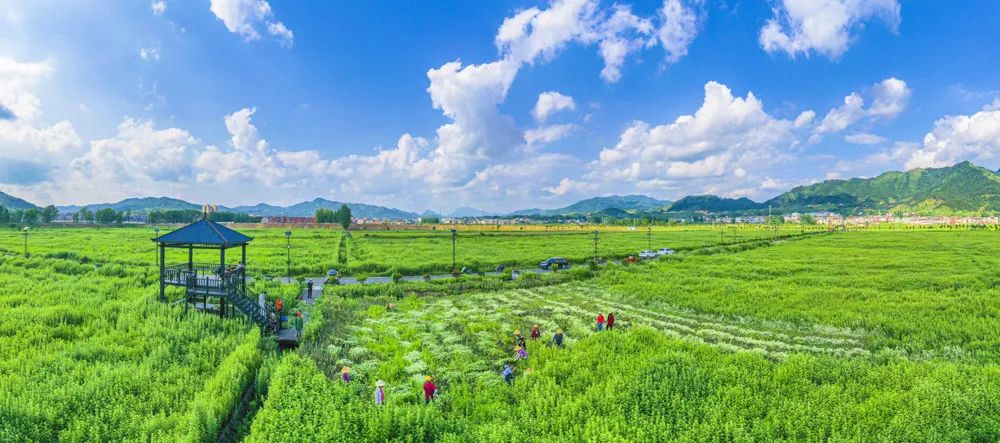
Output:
x,y
216,287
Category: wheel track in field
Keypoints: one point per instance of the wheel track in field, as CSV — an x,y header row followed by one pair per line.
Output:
x,y
735,336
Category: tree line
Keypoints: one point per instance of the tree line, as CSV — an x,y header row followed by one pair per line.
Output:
x,y
190,215
30,216
341,216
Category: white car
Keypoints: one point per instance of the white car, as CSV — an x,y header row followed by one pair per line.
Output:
x,y
647,254
665,251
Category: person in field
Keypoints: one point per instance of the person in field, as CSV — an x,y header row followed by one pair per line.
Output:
x,y
345,374
600,322
520,353
277,304
508,374
430,389
298,322
518,338
557,338
611,320
379,393
535,332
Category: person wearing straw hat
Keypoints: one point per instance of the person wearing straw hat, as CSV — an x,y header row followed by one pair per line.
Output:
x,y
535,332
430,389
518,338
520,353
379,393
345,374
557,338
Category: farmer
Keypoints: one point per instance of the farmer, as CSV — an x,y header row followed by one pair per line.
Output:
x,y
277,304
379,393
600,322
240,268
520,353
557,338
345,374
298,322
430,389
508,374
535,333
611,320
518,338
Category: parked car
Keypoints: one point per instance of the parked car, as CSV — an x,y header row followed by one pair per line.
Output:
x,y
665,251
647,254
558,261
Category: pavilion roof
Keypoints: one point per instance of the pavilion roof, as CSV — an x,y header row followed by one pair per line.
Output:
x,y
203,232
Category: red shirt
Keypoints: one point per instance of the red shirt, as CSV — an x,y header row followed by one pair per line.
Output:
x,y
600,318
611,319
429,389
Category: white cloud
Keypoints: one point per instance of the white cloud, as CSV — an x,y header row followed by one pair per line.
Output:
x,y
973,137
138,152
864,138
551,102
727,135
245,17
569,186
549,134
158,7
995,106
822,26
621,35
891,97
149,54
805,118
678,29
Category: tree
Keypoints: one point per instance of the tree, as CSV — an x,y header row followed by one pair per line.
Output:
x,y
807,219
344,216
4,214
324,215
430,220
16,216
107,216
76,217
86,215
49,213
31,216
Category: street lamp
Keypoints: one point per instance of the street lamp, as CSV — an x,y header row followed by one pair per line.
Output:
x,y
288,265
26,240
454,234
649,236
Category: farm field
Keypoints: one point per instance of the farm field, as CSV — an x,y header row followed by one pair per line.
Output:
x,y
852,336
315,250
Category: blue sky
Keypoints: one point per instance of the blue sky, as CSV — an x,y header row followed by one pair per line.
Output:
x,y
496,105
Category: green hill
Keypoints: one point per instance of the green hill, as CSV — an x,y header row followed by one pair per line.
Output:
x,y
712,203
11,202
623,202
963,188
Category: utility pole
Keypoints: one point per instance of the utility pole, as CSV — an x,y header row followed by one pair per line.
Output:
x,y
26,240
595,246
769,220
649,236
454,233
288,263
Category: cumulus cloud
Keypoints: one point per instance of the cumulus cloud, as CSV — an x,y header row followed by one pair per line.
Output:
x,y
158,7
973,137
248,17
805,118
727,135
822,26
551,102
678,29
569,186
889,98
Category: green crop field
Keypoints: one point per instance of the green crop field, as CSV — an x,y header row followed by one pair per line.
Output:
x,y
845,336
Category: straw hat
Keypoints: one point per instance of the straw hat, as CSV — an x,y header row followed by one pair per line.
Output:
x,y
517,332
517,348
428,378
559,331
380,384
345,369
536,325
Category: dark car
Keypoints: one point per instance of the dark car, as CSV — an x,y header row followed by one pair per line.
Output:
x,y
558,261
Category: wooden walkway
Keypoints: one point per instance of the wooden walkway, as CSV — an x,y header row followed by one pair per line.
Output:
x,y
289,337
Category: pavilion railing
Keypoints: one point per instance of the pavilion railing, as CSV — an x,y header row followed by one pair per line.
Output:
x,y
201,276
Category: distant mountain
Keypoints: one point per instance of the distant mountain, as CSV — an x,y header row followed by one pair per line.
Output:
x,y
470,212
144,204
308,209
11,202
961,188
597,204
712,203
523,212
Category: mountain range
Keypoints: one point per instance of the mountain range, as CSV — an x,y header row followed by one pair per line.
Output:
x,y
963,188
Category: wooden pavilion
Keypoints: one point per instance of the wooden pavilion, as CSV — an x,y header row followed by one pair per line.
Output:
x,y
210,281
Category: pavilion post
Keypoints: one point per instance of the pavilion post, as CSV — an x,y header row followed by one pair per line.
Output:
x,y
163,274
190,258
